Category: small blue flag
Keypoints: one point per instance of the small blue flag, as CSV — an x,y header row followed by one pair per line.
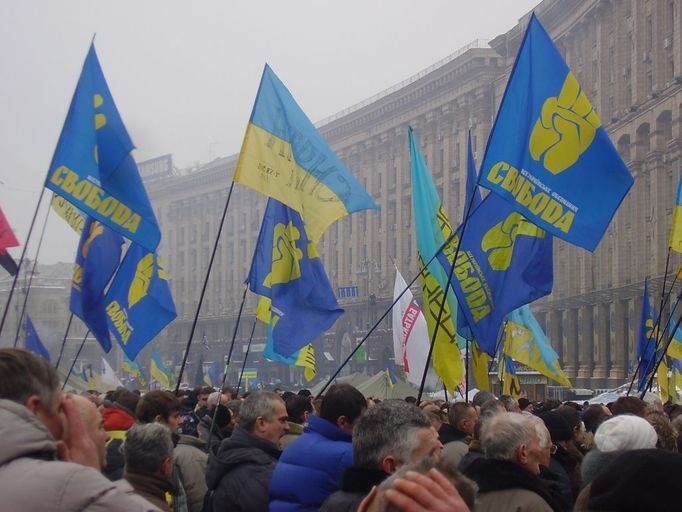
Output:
x,y
548,154
98,256
33,343
646,341
139,303
287,270
92,167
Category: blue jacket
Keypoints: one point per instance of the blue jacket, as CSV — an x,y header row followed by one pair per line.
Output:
x,y
311,467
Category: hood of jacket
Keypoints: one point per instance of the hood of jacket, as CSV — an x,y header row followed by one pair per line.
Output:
x,y
23,435
240,449
116,419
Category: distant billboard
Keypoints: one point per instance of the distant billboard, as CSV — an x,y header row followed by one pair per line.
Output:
x,y
156,168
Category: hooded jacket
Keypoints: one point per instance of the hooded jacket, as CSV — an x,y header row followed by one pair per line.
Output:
x,y
311,468
32,479
191,458
116,421
238,476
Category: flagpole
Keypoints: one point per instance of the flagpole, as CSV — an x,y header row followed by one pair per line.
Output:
x,y
73,364
227,364
466,372
467,216
203,289
659,360
445,392
61,349
21,260
30,279
656,329
378,322
500,337
248,350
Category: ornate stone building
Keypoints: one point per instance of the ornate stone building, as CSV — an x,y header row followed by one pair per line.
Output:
x,y
626,54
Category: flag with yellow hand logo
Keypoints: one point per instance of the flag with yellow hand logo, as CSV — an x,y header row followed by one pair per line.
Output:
x,y
548,154
139,303
287,270
432,229
92,167
98,256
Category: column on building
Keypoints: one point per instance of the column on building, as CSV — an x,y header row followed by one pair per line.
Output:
x,y
586,346
603,350
619,344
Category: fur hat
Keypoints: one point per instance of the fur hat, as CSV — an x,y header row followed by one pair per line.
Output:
x,y
625,432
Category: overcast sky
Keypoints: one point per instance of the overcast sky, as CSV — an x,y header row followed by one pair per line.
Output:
x,y
184,74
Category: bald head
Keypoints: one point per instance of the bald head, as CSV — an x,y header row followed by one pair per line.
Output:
x,y
92,418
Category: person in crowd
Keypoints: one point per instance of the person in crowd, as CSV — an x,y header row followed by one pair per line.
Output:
x,y
190,462
510,403
635,480
593,415
388,436
667,435
630,405
480,398
302,481
201,408
456,435
220,420
148,455
526,405
118,416
92,420
239,475
617,434
562,473
47,459
422,486
214,399
475,451
298,409
515,446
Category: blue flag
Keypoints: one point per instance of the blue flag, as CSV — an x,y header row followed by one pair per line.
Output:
x,y
504,262
98,256
548,154
646,341
287,271
92,167
33,343
139,302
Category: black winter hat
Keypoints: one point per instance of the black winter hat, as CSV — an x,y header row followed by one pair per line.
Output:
x,y
557,425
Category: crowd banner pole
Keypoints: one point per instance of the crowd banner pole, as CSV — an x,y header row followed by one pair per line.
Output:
x,y
61,349
203,289
73,363
30,279
246,356
660,359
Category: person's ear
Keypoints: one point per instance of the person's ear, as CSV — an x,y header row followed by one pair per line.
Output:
x,y
32,403
158,419
389,464
167,467
522,454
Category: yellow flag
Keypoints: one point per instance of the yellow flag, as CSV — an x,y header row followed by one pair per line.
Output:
x,y
306,358
663,383
480,361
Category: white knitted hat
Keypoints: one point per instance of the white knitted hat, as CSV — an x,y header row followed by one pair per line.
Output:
x,y
625,432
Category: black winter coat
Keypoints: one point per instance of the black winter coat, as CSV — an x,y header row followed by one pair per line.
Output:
x,y
238,476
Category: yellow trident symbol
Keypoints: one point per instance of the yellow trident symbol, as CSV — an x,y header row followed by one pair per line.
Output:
x,y
100,119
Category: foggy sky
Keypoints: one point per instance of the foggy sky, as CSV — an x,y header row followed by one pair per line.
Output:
x,y
184,74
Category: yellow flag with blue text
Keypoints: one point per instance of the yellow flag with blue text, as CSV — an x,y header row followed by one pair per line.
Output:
x,y
548,154
527,344
138,303
432,230
284,156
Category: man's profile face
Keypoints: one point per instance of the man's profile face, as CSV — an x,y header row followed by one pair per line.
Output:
x,y
429,446
202,399
276,427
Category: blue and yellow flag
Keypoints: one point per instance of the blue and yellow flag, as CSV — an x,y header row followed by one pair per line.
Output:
x,y
504,262
675,346
304,357
139,303
548,154
134,369
33,343
646,341
288,271
528,345
506,372
92,167
284,156
158,370
480,362
211,375
676,231
98,256
432,229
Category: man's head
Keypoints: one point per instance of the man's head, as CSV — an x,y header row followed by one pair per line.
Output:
x,y
342,405
630,405
510,403
202,396
463,417
518,438
213,399
298,409
394,433
159,407
92,419
264,415
148,450
31,381
594,415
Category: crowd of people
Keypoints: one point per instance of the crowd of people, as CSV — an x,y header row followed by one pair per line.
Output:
x,y
208,450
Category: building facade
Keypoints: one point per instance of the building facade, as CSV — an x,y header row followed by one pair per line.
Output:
x,y
627,56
